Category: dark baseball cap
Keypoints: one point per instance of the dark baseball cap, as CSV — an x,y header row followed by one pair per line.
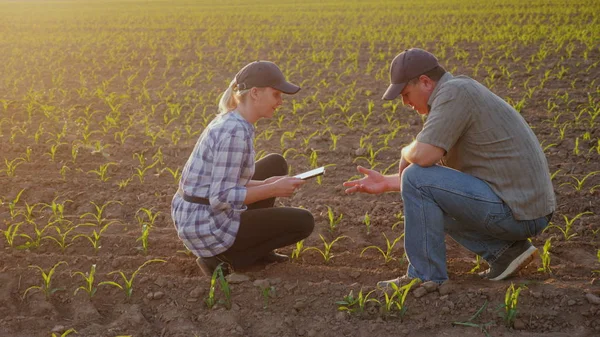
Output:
x,y
263,74
407,65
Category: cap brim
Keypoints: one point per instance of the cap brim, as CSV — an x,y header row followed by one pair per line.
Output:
x,y
287,88
393,91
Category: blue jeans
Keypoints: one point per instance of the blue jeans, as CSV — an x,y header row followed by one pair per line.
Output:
x,y
440,200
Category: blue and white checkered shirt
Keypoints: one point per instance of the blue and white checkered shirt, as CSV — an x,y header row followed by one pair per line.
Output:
x,y
218,169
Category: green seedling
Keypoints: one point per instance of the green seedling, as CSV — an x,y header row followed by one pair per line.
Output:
x,y
297,250
578,186
94,237
367,222
141,171
225,288
511,301
397,301
176,174
127,285
400,219
35,240
88,278
11,233
64,334
149,218
546,257
333,221
98,217
326,253
352,304
267,292
11,166
217,275
566,231
58,210
12,205
470,322
46,286
210,299
61,240
477,265
144,238
387,254
102,171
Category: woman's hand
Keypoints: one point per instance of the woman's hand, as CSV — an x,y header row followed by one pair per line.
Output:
x,y
272,179
285,186
373,182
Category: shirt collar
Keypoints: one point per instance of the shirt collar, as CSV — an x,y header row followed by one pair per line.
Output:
x,y
235,114
445,78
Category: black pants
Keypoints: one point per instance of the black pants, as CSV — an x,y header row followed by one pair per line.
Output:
x,y
263,227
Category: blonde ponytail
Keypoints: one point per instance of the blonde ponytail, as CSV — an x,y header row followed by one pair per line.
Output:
x,y
231,98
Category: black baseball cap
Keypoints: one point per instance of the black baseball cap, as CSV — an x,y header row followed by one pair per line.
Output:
x,y
407,65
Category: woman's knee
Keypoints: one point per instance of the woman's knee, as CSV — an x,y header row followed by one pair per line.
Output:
x,y
277,163
305,222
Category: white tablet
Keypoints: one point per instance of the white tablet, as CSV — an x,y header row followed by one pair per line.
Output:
x,y
311,174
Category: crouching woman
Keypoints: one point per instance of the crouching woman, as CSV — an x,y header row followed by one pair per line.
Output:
x,y
223,210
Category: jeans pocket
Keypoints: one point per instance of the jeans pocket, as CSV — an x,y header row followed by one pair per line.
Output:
x,y
536,226
503,226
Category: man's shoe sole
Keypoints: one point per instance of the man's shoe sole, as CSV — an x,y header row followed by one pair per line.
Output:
x,y
517,264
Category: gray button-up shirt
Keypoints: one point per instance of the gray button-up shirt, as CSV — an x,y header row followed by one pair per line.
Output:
x,y
487,138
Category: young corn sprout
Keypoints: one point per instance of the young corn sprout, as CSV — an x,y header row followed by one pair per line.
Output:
x,y
144,238
98,217
94,237
477,265
297,250
64,334
578,186
367,222
399,219
127,285
88,278
267,292
397,301
333,221
11,233
387,254
145,216
511,300
546,257
46,286
352,304
217,275
470,322
61,239
326,252
566,231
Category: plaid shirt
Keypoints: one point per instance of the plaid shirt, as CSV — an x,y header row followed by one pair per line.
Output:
x,y
218,169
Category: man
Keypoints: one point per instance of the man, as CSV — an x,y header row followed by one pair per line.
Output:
x,y
475,171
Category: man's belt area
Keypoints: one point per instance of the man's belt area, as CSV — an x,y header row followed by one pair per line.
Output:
x,y
193,199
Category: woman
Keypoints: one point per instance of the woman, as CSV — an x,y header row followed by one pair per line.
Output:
x,y
223,210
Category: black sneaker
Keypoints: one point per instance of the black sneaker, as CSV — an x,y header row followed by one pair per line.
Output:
x,y
209,264
273,257
515,258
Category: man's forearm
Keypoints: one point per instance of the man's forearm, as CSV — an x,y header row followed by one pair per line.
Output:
x,y
392,183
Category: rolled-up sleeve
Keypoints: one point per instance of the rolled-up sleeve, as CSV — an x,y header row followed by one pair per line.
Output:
x,y
226,191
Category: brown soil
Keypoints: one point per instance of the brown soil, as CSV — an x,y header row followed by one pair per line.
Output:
x,y
168,298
